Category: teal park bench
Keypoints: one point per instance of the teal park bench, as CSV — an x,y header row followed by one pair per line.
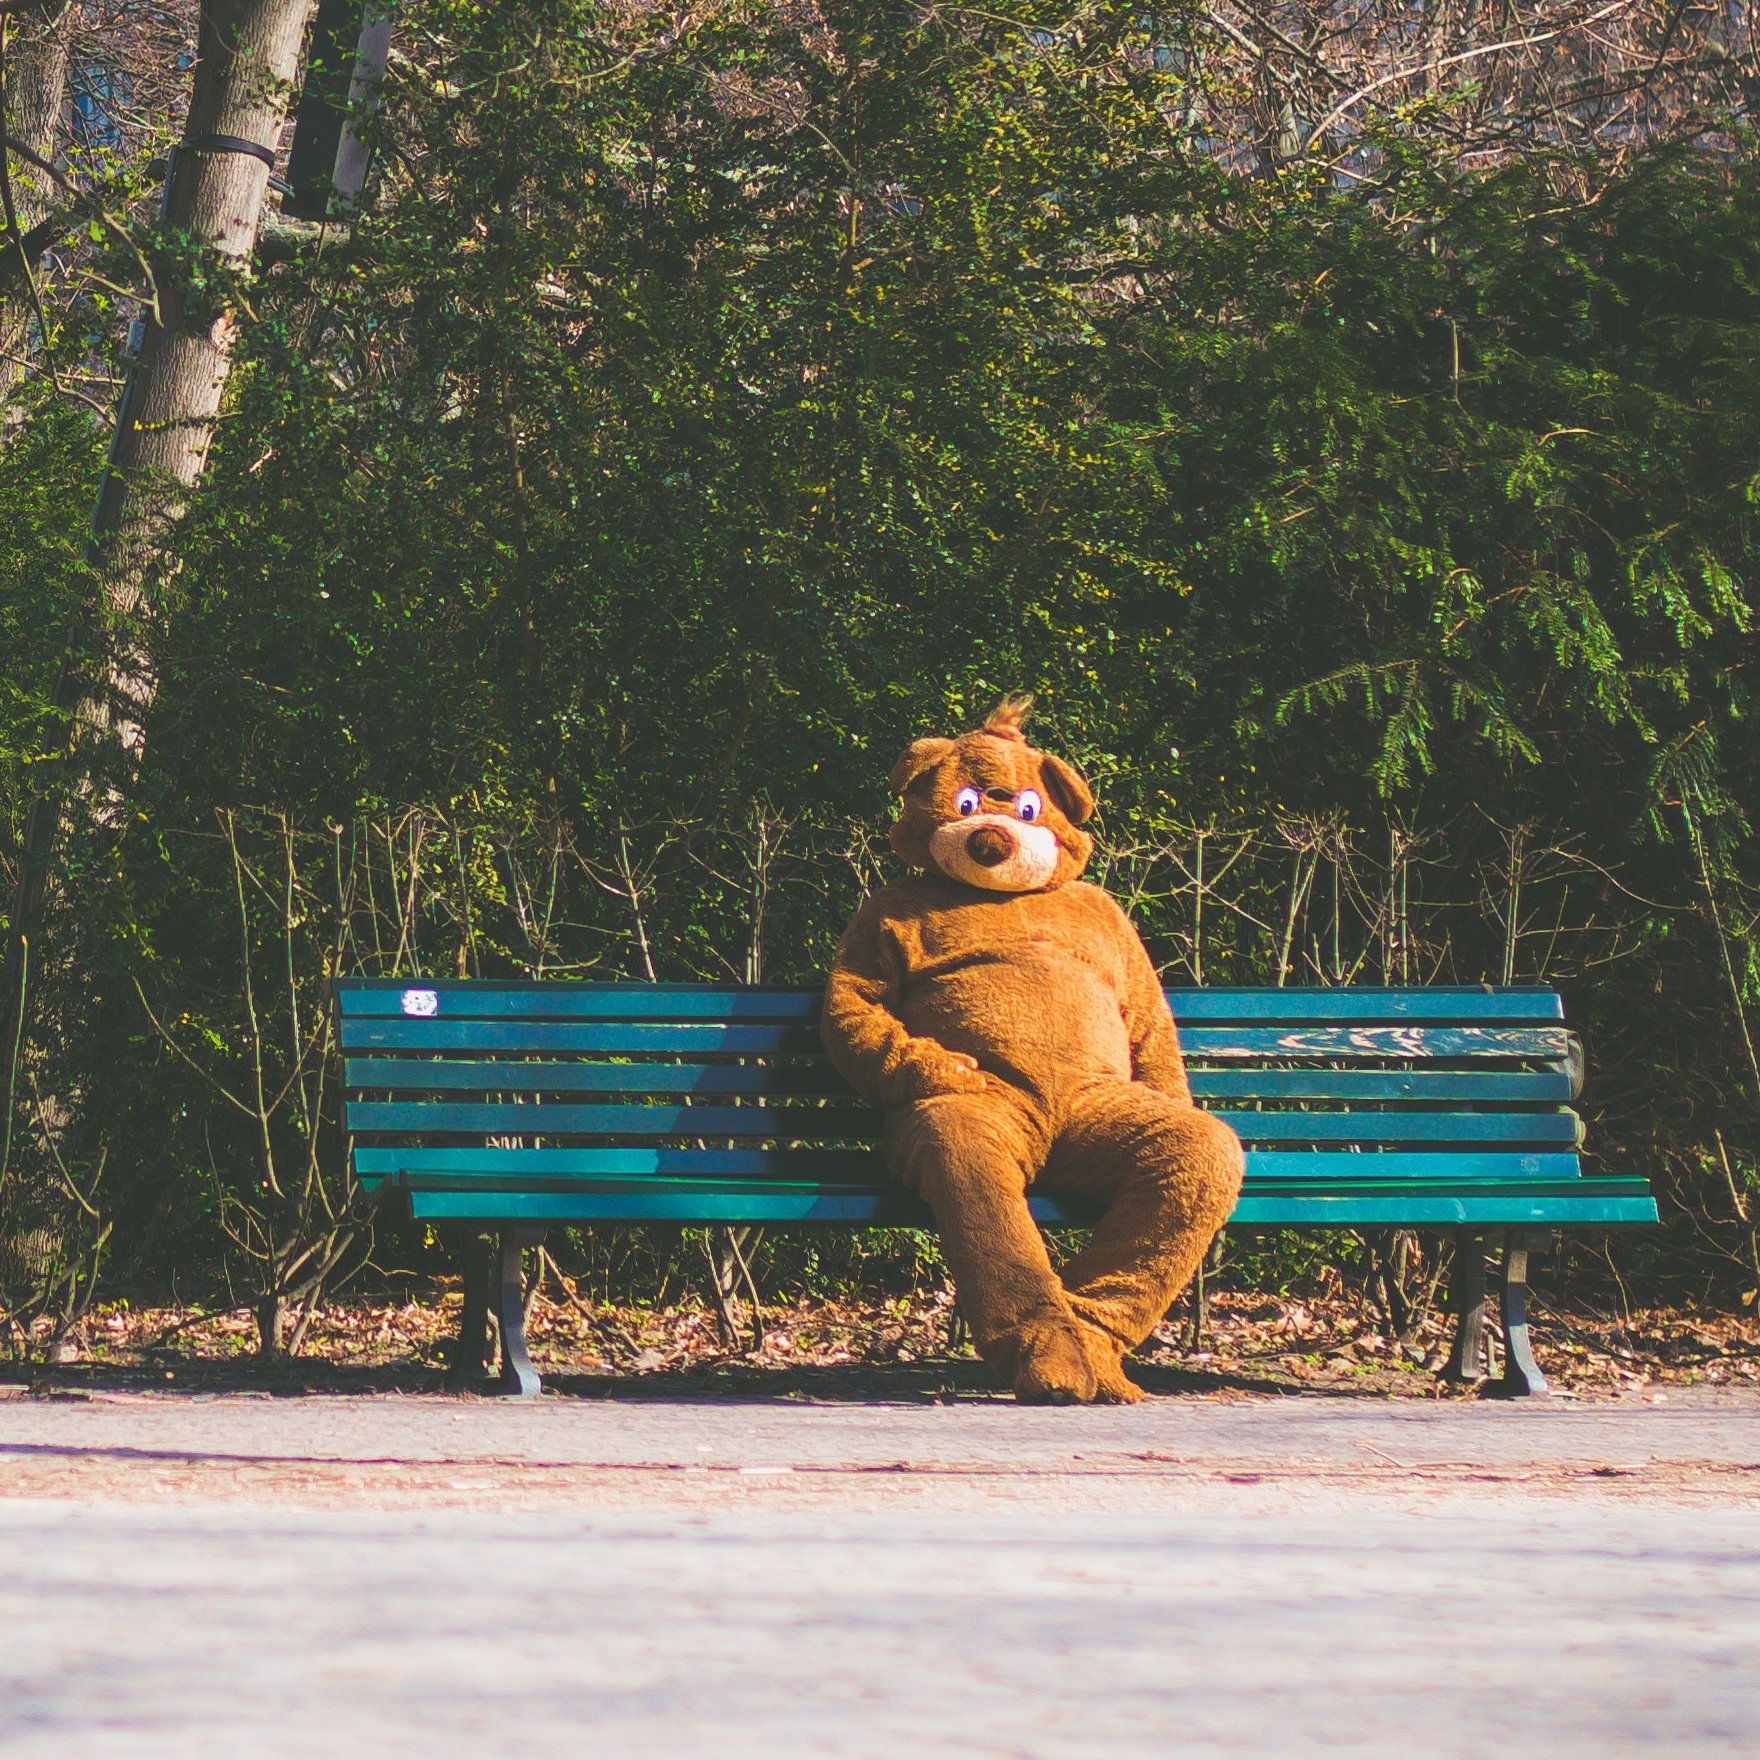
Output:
x,y
503,1109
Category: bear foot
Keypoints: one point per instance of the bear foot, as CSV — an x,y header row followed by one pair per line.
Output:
x,y
1115,1388
1053,1368
1112,1386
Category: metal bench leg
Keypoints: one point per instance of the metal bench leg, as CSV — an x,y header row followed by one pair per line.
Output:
x,y
470,1349
1466,1361
1521,1374
518,1377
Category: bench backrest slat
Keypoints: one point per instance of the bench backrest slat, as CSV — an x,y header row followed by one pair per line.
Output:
x,y
1435,1087
841,1124
642,1038
538,1000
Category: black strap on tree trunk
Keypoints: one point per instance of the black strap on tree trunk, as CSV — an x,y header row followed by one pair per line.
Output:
x,y
229,143
210,143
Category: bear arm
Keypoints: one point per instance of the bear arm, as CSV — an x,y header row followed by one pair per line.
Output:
x,y
870,1046
1156,1060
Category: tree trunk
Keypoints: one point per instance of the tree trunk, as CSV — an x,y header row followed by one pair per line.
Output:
x,y
247,59
271,1326
34,91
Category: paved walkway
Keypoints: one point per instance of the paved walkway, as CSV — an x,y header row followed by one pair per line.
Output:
x,y
431,1577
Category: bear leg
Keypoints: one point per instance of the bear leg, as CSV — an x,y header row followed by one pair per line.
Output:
x,y
1169,1176
970,1157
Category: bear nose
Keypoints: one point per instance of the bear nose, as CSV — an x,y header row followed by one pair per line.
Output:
x,y
989,846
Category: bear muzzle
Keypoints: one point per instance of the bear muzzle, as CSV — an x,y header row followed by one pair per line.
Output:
x,y
997,853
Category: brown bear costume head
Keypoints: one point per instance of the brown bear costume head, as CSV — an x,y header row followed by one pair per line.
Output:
x,y
988,810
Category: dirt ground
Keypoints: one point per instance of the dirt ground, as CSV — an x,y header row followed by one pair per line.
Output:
x,y
875,1347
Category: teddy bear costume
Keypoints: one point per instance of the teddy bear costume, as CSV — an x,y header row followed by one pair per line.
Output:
x,y
1008,1019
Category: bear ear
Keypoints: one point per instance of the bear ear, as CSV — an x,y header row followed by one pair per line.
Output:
x,y
1066,783
924,754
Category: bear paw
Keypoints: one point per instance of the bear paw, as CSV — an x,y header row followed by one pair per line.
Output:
x,y
1053,1368
1115,1388
1112,1386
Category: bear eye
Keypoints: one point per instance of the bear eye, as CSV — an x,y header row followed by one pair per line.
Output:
x,y
968,800
1028,804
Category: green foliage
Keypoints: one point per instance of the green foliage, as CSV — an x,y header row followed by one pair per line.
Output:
x,y
704,411
47,471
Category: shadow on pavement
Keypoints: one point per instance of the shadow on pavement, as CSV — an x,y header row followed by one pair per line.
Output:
x,y
936,1380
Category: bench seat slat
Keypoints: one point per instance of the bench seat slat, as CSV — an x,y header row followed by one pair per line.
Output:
x,y
874,1181
1544,1087
1600,1204
842,1123
627,1038
1628,1204
564,1000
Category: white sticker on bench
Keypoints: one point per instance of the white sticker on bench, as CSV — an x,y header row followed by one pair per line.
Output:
x,y
420,1002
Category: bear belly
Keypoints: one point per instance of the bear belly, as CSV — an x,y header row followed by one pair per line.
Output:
x,y
1037,1018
